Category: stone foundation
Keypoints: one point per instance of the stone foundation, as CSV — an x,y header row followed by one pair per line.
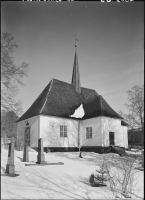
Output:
x,y
99,149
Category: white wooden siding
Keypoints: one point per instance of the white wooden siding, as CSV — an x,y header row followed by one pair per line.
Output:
x,y
120,132
50,132
96,139
34,130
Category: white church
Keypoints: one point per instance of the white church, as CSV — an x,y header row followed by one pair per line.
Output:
x,y
67,116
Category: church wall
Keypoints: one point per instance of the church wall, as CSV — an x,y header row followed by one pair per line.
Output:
x,y
50,132
96,139
125,136
113,125
34,130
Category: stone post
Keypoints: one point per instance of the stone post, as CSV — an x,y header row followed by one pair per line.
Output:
x,y
142,153
25,154
10,167
40,156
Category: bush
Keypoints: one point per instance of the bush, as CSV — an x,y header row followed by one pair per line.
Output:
x,y
122,177
92,180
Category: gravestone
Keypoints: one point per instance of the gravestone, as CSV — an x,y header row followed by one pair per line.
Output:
x,y
25,154
40,156
26,144
10,167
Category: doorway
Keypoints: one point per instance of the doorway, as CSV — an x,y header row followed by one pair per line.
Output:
x,y
111,138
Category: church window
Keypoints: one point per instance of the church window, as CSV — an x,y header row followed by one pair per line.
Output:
x,y
88,132
63,131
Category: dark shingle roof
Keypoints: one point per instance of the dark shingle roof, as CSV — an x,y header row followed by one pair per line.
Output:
x,y
124,123
99,107
60,99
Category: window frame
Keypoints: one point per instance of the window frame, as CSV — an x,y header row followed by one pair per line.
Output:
x,y
89,130
63,131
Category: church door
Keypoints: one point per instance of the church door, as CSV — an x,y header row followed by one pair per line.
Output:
x,y
111,138
27,136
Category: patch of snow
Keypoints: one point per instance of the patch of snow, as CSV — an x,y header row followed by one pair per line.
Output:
x,y
79,112
133,153
68,181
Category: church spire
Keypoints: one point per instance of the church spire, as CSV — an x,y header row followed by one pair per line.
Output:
x,y
76,75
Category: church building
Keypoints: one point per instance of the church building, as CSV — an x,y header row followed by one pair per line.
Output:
x,y
67,116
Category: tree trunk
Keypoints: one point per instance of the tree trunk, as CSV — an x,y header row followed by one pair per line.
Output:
x,y
80,153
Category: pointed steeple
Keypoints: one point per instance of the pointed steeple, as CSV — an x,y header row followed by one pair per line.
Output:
x,y
76,74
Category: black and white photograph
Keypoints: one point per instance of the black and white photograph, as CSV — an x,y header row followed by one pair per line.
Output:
x,y
72,100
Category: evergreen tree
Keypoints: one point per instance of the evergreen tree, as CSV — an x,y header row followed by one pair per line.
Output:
x,y
99,177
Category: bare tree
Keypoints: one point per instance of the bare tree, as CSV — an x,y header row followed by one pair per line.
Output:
x,y
136,107
11,74
122,177
10,125
3,131
126,118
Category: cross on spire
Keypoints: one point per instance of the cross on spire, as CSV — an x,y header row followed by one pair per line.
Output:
x,y
76,42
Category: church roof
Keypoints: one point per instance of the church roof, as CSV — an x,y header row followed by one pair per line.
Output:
x,y
124,123
61,99
99,107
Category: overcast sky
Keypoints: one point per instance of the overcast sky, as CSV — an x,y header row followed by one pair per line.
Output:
x,y
110,46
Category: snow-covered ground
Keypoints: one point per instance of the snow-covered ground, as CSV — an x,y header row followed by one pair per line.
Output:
x,y
134,152
57,180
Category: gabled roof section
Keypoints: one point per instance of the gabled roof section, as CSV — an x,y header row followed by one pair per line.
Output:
x,y
36,107
106,110
57,99
99,107
60,99
124,123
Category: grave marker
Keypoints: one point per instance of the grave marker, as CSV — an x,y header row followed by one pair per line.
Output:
x,y
40,156
25,154
10,167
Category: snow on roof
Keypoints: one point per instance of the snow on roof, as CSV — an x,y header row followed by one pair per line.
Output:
x,y
79,112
